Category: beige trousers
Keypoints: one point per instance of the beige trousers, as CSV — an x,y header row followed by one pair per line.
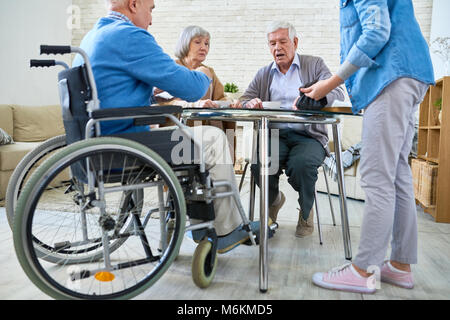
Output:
x,y
220,166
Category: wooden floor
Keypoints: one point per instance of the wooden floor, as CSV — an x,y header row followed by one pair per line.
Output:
x,y
292,262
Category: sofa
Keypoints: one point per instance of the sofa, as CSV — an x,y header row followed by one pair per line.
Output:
x,y
350,129
28,126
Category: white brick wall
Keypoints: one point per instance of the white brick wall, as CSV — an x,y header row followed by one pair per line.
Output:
x,y
237,28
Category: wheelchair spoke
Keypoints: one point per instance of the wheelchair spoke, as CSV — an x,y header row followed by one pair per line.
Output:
x,y
144,241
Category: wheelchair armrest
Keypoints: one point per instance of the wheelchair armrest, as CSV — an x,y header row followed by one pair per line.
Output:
x,y
144,113
135,111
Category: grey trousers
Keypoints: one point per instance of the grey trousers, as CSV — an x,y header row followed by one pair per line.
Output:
x,y
390,209
300,156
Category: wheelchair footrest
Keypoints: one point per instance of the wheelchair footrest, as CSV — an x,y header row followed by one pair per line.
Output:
x,y
271,233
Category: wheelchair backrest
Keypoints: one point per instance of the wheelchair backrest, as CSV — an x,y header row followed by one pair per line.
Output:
x,y
75,94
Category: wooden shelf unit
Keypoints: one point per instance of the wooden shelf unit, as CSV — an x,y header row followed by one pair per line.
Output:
x,y
434,144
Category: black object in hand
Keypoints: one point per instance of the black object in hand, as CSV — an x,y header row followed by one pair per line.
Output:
x,y
306,103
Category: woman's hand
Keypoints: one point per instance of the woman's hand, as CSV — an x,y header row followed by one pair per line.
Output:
x,y
207,104
318,90
236,104
322,87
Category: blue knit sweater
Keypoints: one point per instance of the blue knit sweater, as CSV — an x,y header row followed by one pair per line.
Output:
x,y
127,63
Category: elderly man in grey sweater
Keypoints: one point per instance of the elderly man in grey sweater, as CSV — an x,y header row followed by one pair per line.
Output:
x,y
302,147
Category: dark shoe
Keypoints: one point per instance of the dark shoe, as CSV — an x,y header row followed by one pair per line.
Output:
x,y
305,227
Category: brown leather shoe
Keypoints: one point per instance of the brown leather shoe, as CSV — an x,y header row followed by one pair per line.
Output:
x,y
273,210
305,227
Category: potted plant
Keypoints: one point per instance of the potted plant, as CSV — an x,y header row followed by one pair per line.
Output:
x,y
231,91
438,105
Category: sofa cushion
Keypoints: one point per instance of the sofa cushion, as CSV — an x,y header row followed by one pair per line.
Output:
x,y
33,124
348,172
11,154
4,179
351,131
6,119
5,138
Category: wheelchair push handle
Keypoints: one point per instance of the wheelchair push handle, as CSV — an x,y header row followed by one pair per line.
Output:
x,y
45,49
35,63
55,49
41,63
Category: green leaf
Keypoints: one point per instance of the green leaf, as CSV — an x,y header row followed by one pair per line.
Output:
x,y
230,87
438,103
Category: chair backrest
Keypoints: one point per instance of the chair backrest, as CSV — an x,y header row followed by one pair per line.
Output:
x,y
75,94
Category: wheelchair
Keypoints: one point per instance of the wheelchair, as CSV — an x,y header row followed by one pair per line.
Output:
x,y
115,226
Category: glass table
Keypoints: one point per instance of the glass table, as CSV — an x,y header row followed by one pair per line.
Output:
x,y
261,119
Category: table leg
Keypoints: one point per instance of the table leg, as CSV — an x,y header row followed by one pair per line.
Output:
x,y
264,203
252,178
342,193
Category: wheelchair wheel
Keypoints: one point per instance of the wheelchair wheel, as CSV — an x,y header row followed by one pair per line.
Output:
x,y
24,169
23,172
104,228
203,271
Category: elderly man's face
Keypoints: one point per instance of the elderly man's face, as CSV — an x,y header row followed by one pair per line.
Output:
x,y
282,48
143,17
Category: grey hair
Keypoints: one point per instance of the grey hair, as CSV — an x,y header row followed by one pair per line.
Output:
x,y
276,25
186,36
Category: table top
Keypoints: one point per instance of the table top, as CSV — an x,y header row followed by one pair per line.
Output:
x,y
325,116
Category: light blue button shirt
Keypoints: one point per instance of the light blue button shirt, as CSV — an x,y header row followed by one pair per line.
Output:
x,y
284,88
383,39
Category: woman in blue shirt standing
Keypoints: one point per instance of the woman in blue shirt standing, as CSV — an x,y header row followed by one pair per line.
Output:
x,y
386,67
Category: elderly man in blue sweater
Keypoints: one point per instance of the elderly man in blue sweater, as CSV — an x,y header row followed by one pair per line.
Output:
x,y
127,64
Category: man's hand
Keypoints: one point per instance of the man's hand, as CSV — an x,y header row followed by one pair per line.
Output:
x,y
294,106
254,104
321,88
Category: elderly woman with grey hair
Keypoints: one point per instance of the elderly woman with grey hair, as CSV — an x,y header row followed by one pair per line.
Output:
x,y
191,50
